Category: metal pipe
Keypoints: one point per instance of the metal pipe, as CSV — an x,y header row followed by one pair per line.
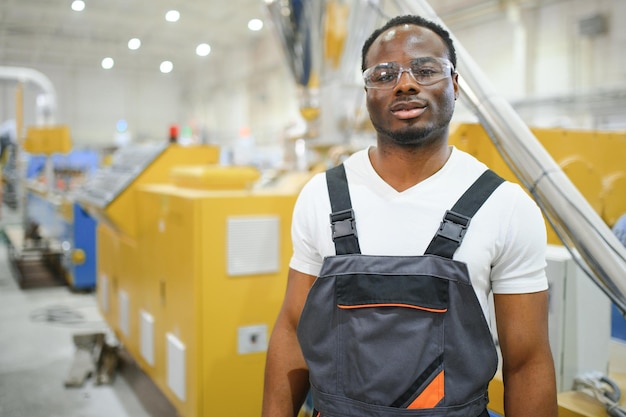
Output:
x,y
47,103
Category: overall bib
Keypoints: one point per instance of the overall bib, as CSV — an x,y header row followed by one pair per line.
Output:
x,y
397,336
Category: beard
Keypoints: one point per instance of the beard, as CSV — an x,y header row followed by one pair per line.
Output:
x,y
413,136
416,136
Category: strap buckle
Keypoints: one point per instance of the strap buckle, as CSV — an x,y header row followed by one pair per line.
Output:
x,y
453,226
342,223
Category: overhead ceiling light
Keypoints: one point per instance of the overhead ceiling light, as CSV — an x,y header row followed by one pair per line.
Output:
x,y
166,67
255,24
107,63
134,44
78,5
203,49
172,16
121,126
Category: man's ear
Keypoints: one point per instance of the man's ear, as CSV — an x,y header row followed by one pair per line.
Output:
x,y
455,80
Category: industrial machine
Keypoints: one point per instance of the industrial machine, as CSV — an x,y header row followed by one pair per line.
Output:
x,y
598,174
63,232
55,244
192,259
214,266
53,217
109,197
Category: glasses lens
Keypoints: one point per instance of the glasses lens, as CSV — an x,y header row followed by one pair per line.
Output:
x,y
426,71
383,75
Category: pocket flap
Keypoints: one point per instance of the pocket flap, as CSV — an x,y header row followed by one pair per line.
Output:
x,y
415,291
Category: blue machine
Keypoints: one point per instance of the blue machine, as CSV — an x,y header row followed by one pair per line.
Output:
x,y
66,228
84,238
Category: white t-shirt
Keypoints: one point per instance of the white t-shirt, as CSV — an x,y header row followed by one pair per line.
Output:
x,y
504,246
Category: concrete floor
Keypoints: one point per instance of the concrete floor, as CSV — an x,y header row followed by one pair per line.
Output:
x,y
37,352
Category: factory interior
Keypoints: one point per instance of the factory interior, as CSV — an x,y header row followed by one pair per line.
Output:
x,y
152,151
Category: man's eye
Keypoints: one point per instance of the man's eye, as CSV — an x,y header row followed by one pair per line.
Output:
x,y
426,72
384,76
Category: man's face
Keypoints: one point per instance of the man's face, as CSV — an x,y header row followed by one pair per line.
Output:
x,y
410,113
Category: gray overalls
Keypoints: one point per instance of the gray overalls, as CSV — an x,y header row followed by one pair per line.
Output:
x,y
397,336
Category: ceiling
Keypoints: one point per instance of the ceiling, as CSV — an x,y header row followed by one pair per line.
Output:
x,y
50,32
34,32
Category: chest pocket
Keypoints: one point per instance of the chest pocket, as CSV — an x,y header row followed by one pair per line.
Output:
x,y
391,338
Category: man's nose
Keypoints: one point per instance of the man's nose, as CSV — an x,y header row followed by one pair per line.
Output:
x,y
406,79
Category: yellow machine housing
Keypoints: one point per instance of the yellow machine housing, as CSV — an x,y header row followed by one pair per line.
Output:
x,y
195,293
47,140
118,260
592,160
115,213
214,267
214,177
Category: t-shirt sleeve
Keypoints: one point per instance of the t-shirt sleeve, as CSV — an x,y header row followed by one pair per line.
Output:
x,y
520,266
305,236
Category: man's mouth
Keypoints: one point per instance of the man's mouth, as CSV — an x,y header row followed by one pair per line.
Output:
x,y
408,109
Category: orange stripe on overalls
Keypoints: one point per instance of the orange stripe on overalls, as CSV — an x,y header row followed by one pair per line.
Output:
x,y
431,395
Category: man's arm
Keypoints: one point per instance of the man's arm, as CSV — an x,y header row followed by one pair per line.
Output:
x,y
528,368
286,373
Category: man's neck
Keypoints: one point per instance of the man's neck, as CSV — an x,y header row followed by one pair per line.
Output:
x,y
403,167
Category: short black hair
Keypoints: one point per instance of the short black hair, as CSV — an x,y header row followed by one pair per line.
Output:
x,y
410,20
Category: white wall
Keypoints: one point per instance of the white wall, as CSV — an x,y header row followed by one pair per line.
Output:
x,y
554,75
92,101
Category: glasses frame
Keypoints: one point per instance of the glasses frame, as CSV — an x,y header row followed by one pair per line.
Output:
x,y
446,63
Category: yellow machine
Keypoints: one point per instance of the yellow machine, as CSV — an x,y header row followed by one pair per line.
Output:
x,y
192,266
214,267
110,194
110,197
48,139
593,161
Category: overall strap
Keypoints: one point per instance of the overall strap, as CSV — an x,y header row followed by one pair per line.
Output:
x,y
456,220
342,217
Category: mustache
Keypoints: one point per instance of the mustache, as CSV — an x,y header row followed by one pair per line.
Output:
x,y
408,101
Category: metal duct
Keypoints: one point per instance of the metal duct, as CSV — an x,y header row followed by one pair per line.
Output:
x,y
46,102
298,24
